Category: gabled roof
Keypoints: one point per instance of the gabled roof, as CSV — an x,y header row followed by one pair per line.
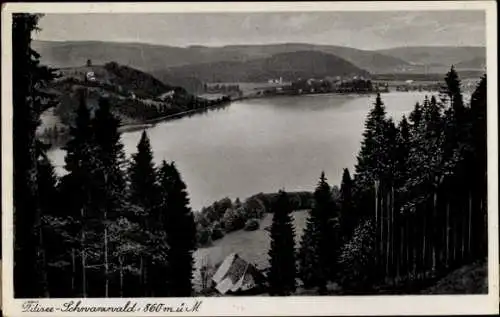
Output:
x,y
235,274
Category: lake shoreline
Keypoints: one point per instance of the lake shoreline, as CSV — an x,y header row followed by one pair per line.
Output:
x,y
152,122
132,127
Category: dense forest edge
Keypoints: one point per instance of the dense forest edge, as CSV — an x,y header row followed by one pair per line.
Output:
x,y
413,210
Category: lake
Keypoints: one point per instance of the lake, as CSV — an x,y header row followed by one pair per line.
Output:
x,y
263,145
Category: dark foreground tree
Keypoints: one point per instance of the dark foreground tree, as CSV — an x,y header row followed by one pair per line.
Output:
x,y
372,160
348,217
29,100
143,185
110,178
479,171
47,185
180,232
144,193
403,150
54,224
80,196
282,273
318,246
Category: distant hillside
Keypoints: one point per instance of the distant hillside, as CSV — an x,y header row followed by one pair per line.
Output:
x,y
192,84
135,97
155,59
138,55
369,60
289,66
435,56
475,63
150,58
143,57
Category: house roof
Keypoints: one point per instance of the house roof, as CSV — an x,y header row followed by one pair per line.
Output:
x,y
234,274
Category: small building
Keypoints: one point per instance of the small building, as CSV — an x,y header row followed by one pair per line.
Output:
x,y
237,276
90,76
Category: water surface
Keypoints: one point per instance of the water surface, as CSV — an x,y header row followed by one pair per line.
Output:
x,y
264,145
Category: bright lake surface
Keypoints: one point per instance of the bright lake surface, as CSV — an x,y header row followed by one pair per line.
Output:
x,y
264,145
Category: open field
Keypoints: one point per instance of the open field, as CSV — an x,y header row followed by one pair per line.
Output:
x,y
252,246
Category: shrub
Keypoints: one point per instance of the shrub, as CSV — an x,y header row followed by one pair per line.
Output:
x,y
233,220
252,224
217,232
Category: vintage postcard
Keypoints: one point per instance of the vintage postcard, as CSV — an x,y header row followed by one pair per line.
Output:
x,y
278,158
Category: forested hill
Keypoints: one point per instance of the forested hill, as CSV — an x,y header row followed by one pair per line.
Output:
x,y
135,96
443,56
289,66
125,78
474,63
150,58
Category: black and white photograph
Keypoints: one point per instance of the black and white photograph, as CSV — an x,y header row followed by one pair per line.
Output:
x,y
249,154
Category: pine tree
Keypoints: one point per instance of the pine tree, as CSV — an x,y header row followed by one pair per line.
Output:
x,y
282,273
348,217
479,128
107,138
318,248
371,156
479,162
372,162
109,176
79,149
81,194
455,116
47,185
433,143
403,149
144,193
143,181
416,116
478,111
452,90
457,154
29,100
53,230
424,176
390,136
425,144
180,232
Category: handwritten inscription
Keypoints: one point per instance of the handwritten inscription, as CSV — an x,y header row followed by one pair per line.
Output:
x,y
78,306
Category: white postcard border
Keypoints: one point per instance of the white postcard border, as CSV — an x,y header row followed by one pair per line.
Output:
x,y
339,305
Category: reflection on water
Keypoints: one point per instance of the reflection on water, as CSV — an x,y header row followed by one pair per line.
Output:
x,y
264,145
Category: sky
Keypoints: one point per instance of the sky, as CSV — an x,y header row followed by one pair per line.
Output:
x,y
363,30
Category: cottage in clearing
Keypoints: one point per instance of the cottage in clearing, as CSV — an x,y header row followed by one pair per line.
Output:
x,y
238,277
